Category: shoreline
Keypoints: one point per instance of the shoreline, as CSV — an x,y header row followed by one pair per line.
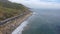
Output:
x,y
23,23
9,27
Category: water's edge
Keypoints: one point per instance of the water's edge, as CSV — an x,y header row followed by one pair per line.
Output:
x,y
19,29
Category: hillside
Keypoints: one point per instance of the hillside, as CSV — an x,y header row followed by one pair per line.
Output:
x,y
9,9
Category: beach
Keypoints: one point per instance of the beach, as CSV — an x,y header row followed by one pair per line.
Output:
x,y
22,25
8,28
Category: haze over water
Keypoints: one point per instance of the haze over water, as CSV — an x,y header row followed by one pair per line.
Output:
x,y
44,22
46,19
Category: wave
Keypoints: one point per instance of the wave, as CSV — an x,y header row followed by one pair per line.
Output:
x,y
20,28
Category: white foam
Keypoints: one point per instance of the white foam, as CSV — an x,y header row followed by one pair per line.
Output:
x,y
20,28
34,13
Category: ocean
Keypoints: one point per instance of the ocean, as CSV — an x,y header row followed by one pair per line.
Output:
x,y
42,22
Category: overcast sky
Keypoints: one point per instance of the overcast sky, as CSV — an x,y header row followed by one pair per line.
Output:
x,y
55,4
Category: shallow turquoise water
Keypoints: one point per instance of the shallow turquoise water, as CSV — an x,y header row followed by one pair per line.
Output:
x,y
43,22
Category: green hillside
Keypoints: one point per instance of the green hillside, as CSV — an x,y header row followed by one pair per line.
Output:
x,y
9,9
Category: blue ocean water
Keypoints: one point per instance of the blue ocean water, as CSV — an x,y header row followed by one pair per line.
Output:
x,y
43,22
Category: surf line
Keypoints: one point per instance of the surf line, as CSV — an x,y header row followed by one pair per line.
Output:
x,y
20,28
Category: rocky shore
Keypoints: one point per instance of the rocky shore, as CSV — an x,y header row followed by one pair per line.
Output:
x,y
8,28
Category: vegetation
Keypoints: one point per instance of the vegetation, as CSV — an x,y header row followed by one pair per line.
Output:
x,y
9,9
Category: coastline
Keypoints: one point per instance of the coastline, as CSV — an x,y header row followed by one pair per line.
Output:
x,y
10,27
23,23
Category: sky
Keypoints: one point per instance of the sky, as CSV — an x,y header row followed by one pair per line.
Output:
x,y
52,4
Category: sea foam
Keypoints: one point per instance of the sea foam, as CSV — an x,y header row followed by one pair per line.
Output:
x,y
20,28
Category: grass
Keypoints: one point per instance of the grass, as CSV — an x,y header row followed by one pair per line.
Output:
x,y
8,10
